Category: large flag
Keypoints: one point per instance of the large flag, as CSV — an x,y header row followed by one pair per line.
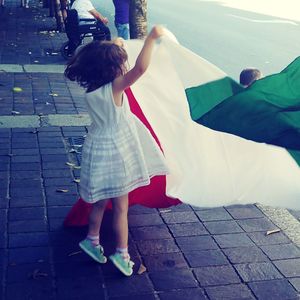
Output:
x,y
208,167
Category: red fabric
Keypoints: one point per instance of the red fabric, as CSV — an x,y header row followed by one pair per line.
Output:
x,y
152,195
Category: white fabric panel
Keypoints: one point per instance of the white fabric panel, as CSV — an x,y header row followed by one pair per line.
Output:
x,y
208,168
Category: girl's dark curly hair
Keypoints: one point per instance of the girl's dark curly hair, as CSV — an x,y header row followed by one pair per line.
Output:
x,y
96,64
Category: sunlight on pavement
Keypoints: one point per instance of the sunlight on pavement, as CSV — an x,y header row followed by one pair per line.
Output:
x,y
288,9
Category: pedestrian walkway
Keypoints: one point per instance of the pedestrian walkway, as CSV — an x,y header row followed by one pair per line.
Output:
x,y
182,252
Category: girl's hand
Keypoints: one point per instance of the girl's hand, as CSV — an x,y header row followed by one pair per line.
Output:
x,y
118,41
156,32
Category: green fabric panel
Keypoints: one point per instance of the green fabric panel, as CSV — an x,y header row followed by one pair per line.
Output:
x,y
296,156
268,111
203,98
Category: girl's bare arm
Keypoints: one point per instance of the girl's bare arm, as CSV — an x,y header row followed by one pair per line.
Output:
x,y
141,64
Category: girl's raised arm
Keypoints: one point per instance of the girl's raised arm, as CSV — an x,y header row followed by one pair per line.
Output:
x,y
141,64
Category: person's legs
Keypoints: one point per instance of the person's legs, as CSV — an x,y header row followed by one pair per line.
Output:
x,y
121,258
91,244
123,30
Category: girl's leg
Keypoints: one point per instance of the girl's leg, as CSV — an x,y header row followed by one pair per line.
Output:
x,y
96,217
120,220
121,258
91,244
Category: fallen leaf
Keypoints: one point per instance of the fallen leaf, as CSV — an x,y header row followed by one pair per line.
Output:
x,y
14,112
165,211
17,89
272,231
74,253
73,151
70,164
62,191
53,94
142,269
34,131
76,180
36,274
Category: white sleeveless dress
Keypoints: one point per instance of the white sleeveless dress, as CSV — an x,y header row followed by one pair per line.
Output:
x,y
119,153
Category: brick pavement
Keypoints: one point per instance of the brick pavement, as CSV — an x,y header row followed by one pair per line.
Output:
x,y
189,253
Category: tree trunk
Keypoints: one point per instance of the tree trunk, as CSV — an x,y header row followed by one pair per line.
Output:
x,y
138,19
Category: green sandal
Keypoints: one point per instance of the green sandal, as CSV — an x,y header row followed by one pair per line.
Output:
x,y
95,252
123,265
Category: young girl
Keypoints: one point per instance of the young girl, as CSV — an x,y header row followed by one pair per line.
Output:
x,y
119,153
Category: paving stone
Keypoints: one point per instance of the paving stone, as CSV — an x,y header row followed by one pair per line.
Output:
x,y
18,183
206,258
150,233
55,166
27,226
273,289
33,290
261,224
56,224
76,269
26,174
25,167
51,145
151,247
295,283
233,240
69,253
165,280
62,199
162,262
26,159
28,255
144,220
30,145
260,238
54,190
27,151
193,243
179,217
26,201
56,173
136,297
245,255
289,267
81,288
133,285
244,211
18,240
230,292
219,275
187,229
283,251
190,294
58,211
32,213
26,192
220,227
26,272
58,181
139,210
72,235
177,208
52,151
213,214
257,271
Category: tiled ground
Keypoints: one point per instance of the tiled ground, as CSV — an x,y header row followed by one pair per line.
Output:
x,y
189,252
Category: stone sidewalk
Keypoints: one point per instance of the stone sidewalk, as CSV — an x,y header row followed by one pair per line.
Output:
x,y
189,253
